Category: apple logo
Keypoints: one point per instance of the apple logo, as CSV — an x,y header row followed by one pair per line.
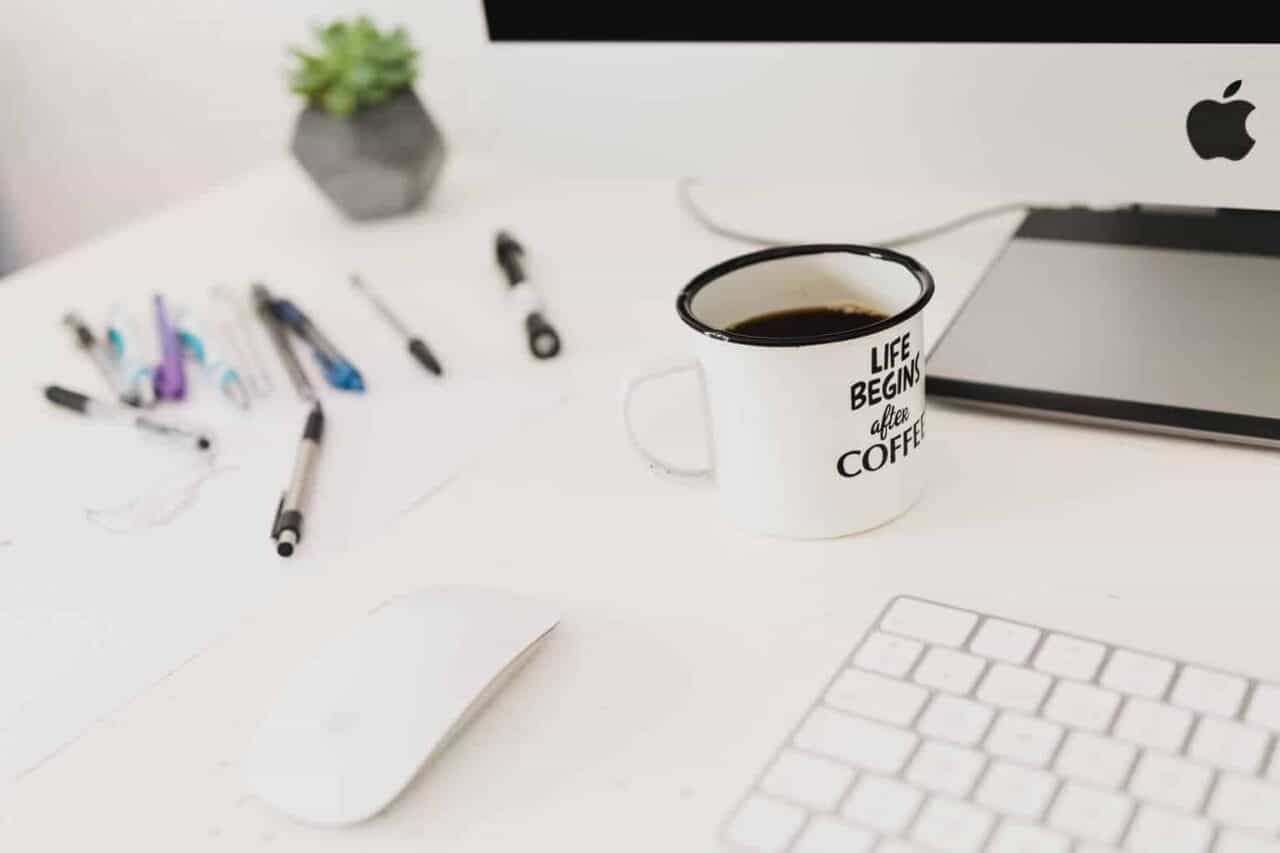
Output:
x,y
1217,128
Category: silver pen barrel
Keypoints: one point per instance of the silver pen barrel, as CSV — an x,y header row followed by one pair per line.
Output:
x,y
279,340
287,530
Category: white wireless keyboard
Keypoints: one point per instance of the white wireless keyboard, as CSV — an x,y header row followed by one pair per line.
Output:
x,y
948,730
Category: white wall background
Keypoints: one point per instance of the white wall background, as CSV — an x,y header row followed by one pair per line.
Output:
x,y
110,110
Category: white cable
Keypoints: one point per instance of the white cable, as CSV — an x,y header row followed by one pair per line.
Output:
x,y
703,219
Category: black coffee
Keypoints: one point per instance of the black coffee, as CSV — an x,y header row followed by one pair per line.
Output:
x,y
803,322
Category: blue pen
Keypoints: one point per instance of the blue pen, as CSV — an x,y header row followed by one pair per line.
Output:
x,y
137,369
340,372
216,367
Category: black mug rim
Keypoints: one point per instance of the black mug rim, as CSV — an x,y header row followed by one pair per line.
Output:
x,y
684,300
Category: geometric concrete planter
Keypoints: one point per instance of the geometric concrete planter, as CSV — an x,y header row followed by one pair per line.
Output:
x,y
380,161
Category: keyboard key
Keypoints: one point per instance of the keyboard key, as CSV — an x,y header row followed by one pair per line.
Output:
x,y
1025,740
765,825
1153,725
894,846
951,826
949,670
954,719
1081,706
1004,641
1264,707
862,743
1246,804
1208,692
1137,674
1169,781
886,805
808,780
1016,791
933,623
945,769
1013,837
828,835
1094,760
1013,687
887,654
1090,813
1157,830
952,731
1238,842
1069,657
876,696
1228,745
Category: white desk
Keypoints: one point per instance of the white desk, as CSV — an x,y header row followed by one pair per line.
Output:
x,y
688,647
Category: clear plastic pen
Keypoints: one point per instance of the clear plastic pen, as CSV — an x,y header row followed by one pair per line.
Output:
x,y
133,357
236,328
196,341
100,410
101,357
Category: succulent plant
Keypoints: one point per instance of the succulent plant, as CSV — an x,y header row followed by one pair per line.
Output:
x,y
355,66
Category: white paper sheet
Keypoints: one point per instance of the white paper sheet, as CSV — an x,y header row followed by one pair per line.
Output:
x,y
127,556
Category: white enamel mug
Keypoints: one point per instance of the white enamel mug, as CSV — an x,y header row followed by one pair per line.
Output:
x,y
811,436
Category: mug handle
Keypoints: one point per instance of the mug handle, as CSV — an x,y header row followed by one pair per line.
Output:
x,y
704,474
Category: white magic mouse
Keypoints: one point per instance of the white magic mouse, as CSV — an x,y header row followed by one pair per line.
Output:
x,y
353,725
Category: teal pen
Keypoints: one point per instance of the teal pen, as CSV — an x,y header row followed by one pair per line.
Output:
x,y
223,375
137,371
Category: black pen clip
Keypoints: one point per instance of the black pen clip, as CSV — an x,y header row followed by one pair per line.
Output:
x,y
276,528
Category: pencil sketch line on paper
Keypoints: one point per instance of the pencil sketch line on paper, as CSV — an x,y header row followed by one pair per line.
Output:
x,y
156,508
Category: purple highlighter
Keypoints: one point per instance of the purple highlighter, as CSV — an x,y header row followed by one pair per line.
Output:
x,y
170,380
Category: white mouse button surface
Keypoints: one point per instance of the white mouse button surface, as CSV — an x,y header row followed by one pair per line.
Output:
x,y
355,723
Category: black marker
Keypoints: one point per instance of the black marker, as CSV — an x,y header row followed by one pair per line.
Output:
x,y
417,346
286,530
86,405
543,340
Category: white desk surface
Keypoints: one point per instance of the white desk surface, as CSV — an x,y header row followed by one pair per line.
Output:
x,y
688,647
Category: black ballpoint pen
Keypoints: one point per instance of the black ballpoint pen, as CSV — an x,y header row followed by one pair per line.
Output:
x,y
417,346
286,530
543,340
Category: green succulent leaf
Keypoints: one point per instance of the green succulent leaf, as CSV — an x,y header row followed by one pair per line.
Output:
x,y
354,65
340,102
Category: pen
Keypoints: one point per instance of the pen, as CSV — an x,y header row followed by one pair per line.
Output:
x,y
417,346
340,372
543,340
286,530
135,368
218,369
85,405
97,352
275,330
235,326
171,380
